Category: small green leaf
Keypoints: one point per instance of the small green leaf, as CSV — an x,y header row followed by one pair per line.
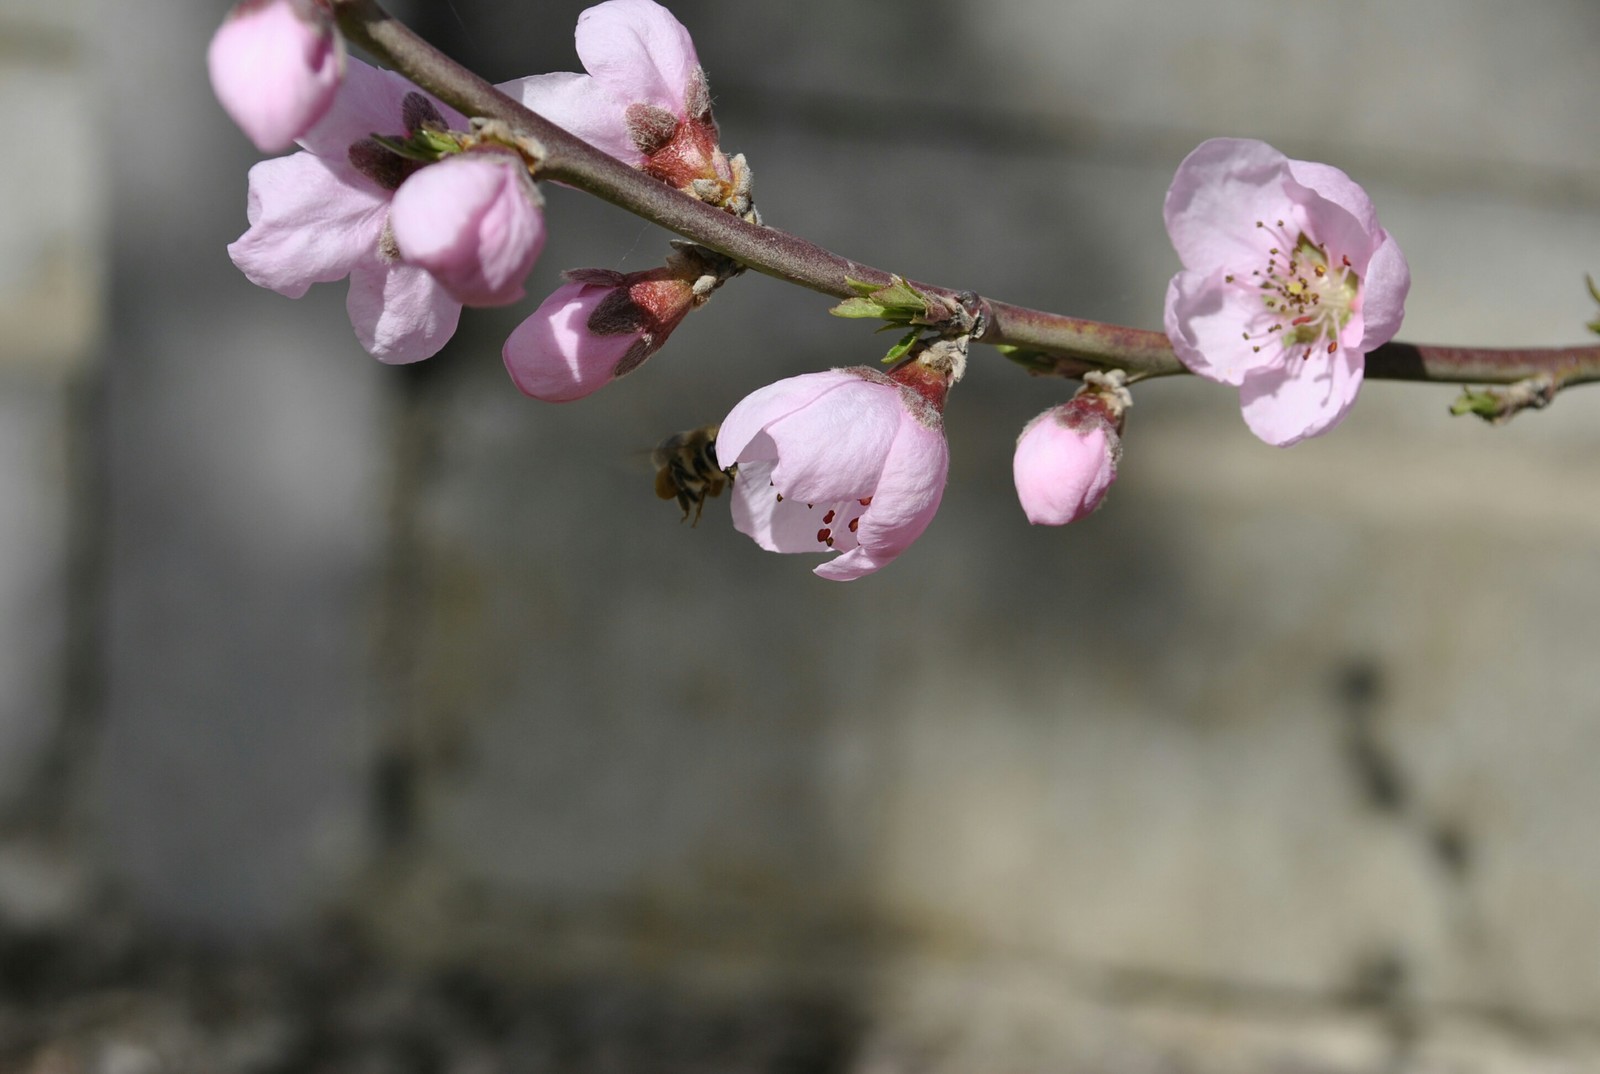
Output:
x,y
860,287
1483,404
859,307
902,348
1594,292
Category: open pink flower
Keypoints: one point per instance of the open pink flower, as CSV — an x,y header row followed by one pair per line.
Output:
x,y
848,461
324,214
275,67
474,221
1067,457
1288,282
645,99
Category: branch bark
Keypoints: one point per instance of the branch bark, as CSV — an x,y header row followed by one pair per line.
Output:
x,y
1073,345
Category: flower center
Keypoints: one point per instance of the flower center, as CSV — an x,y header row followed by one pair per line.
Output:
x,y
1308,297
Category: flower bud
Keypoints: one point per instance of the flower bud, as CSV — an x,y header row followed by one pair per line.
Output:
x,y
275,66
1067,457
475,222
602,325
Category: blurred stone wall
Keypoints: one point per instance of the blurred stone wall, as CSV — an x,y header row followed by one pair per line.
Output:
x,y
1283,761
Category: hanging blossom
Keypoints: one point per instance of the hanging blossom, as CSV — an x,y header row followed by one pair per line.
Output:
x,y
644,100
341,207
1067,457
275,66
1288,282
602,325
850,461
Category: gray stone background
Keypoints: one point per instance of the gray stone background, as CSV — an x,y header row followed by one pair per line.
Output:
x,y
1282,761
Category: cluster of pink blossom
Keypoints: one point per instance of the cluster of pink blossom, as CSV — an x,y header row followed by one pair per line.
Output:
x,y
1287,283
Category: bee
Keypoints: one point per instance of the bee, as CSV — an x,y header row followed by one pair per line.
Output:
x,y
687,470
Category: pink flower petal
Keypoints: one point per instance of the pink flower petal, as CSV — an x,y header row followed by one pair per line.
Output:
x,y
836,451
307,224
1218,193
474,222
1334,185
553,356
1207,319
638,52
1304,398
580,106
400,313
766,405
786,524
905,500
1387,284
275,68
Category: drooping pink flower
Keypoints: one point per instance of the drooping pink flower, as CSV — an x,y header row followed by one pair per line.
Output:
x,y
1288,282
850,461
602,325
475,222
645,99
275,67
1067,457
324,214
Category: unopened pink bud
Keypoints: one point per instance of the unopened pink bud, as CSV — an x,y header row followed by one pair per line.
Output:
x,y
275,67
1067,457
475,221
601,326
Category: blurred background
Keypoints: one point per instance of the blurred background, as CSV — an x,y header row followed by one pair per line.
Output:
x,y
367,719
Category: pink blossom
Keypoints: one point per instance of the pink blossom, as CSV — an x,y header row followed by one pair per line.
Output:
x,y
275,66
474,221
602,325
324,214
1067,457
1288,282
645,99
848,461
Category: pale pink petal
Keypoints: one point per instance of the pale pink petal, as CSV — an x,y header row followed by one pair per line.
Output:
x,y
307,224
275,69
637,51
580,106
1220,189
1329,224
783,524
1207,318
400,313
553,356
836,450
903,503
1384,293
765,405
370,101
1306,397
474,222
1062,473
1337,187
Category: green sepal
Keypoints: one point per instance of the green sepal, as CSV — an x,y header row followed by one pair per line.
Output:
x,y
425,146
902,348
859,307
898,303
1482,403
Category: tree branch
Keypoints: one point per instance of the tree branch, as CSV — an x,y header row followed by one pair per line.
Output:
x,y
1069,346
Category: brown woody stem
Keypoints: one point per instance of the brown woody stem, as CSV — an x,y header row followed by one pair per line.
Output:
x,y
1068,346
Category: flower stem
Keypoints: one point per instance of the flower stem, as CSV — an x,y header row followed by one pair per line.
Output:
x,y
1065,346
